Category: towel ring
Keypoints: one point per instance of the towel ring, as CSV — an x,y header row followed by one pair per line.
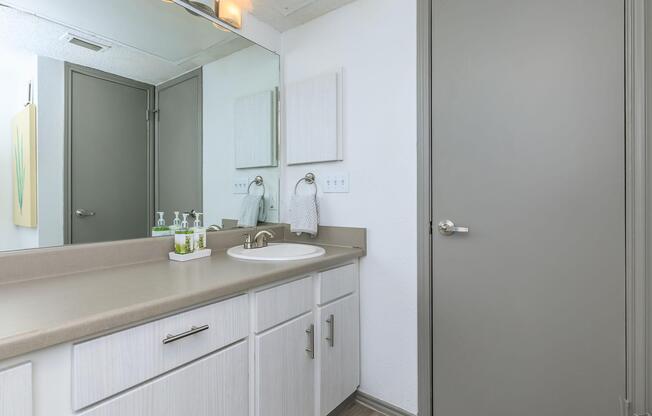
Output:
x,y
258,180
309,179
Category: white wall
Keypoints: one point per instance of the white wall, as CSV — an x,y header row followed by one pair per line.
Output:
x,y
376,47
17,69
47,76
50,127
243,73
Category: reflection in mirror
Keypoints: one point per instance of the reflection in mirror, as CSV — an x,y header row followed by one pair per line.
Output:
x,y
118,110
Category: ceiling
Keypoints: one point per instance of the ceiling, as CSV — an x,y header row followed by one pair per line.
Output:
x,y
150,41
283,15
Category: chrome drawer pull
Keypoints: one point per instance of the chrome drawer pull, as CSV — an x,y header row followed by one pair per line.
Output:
x,y
193,330
310,349
331,330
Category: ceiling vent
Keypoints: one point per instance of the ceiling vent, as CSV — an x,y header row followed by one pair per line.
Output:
x,y
83,42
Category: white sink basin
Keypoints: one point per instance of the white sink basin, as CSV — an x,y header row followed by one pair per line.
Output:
x,y
277,252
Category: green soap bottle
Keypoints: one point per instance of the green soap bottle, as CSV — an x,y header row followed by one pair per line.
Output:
x,y
184,239
176,223
161,229
199,232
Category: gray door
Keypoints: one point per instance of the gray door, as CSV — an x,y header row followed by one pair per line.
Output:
x,y
528,152
108,157
648,83
179,145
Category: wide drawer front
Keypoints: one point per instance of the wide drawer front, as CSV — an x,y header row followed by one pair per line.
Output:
x,y
282,303
336,283
108,365
217,385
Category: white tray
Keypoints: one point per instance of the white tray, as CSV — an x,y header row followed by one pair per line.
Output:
x,y
199,254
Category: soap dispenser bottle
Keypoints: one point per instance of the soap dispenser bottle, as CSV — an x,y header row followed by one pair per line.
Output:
x,y
161,229
176,223
184,239
199,232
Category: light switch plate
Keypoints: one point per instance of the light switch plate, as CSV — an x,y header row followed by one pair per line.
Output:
x,y
240,185
336,183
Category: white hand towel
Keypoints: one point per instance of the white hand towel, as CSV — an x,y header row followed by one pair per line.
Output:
x,y
250,211
304,214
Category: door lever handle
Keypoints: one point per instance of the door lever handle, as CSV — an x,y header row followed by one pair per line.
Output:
x,y
84,213
448,227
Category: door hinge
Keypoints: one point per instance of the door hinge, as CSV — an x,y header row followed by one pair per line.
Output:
x,y
149,114
430,227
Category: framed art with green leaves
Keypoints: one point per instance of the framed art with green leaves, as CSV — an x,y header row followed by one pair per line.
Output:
x,y
23,149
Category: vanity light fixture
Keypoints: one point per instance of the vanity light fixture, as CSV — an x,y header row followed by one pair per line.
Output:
x,y
229,12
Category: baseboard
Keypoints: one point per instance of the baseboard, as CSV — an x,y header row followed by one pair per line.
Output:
x,y
339,409
380,406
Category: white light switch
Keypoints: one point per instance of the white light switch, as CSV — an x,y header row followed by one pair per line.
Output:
x,y
240,185
336,183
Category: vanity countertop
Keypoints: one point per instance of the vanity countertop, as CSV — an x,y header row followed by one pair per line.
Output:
x,y
40,313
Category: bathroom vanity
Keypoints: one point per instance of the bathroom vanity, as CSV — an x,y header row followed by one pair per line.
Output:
x,y
216,336
94,319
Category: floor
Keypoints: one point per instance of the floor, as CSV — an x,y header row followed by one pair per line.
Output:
x,y
356,409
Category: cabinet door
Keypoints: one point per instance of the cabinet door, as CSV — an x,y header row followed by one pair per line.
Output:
x,y
16,391
285,370
340,352
217,385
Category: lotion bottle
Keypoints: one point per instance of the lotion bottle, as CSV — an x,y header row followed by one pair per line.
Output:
x,y
176,223
184,239
161,229
199,232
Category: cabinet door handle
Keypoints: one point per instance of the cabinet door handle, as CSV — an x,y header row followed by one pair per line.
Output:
x,y
331,330
311,341
192,331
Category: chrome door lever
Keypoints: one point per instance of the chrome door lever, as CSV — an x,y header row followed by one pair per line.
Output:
x,y
84,213
448,227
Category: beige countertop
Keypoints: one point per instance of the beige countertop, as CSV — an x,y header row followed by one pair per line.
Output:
x,y
40,313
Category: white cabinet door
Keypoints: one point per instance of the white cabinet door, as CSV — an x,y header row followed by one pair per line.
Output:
x,y
285,371
217,385
16,391
340,352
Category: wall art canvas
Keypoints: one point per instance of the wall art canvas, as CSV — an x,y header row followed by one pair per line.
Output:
x,y
23,136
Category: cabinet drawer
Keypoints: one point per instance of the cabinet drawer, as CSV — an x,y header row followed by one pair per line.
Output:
x,y
108,365
16,391
336,283
217,385
282,303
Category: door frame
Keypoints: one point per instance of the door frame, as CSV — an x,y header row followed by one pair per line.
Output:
x,y
637,283
69,70
195,73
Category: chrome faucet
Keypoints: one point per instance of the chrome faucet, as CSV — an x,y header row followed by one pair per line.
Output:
x,y
259,240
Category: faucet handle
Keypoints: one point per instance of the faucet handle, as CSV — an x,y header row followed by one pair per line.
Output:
x,y
248,243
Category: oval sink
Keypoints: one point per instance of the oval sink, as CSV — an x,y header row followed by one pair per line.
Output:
x,y
277,252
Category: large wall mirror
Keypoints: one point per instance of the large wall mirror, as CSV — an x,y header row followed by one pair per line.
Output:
x,y
114,111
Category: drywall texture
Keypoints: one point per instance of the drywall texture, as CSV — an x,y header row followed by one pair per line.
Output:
x,y
250,71
377,52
